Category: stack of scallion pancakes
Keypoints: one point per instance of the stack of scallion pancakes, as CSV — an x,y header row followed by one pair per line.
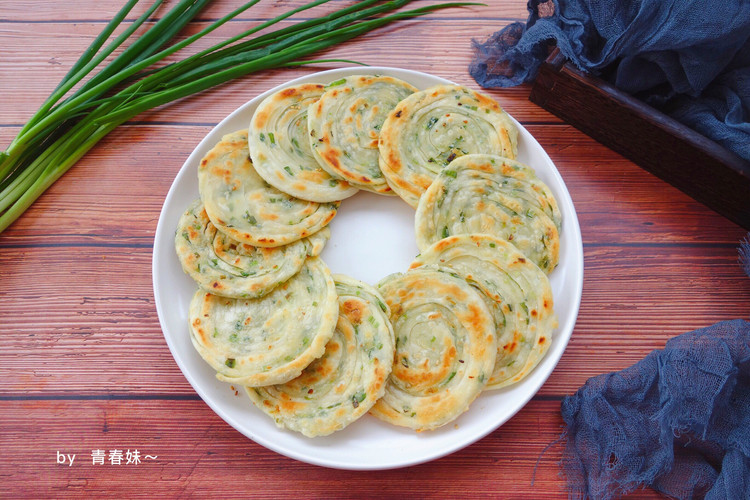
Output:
x,y
317,351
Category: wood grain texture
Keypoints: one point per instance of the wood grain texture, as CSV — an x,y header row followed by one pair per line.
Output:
x,y
47,56
222,463
84,364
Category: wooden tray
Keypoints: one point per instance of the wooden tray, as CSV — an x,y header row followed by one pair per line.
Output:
x,y
698,166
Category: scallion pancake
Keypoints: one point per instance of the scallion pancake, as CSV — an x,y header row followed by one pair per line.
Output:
x,y
267,340
429,129
493,195
245,207
345,127
445,348
280,146
517,292
343,384
224,266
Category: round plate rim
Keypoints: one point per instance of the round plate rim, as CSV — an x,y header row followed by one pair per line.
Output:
x,y
573,279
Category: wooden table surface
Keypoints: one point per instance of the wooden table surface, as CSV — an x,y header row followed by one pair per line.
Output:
x,y
84,364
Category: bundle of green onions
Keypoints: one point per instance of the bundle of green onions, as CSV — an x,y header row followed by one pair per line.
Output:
x,y
67,126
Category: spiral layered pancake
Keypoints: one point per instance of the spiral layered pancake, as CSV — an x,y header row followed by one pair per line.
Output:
x,y
343,384
517,292
280,147
345,127
227,267
245,207
493,195
445,348
428,129
268,340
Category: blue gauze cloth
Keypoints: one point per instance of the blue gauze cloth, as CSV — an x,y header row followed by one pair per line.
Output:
x,y
690,58
677,421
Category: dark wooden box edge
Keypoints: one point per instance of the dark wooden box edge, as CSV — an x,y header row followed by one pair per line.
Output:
x,y
696,165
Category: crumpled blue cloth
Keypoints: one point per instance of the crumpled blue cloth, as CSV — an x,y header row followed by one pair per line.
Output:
x,y
691,58
677,421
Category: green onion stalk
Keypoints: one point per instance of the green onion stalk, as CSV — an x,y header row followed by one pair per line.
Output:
x,y
69,123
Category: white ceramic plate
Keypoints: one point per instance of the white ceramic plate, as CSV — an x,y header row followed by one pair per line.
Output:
x,y
372,236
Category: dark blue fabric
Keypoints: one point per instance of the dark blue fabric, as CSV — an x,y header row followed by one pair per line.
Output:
x,y
678,421
690,56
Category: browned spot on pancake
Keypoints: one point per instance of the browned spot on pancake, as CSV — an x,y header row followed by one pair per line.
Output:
x,y
260,118
445,243
476,316
505,138
486,102
423,374
286,93
542,340
287,405
394,162
332,157
534,313
352,309
521,260
397,114
395,308
219,171
484,167
200,332
323,370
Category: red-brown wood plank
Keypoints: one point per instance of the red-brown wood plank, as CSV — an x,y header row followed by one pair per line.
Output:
x,y
98,12
46,59
199,455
